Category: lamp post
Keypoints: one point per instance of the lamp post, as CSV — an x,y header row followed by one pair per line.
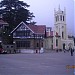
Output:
x,y
3,37
40,39
39,44
34,40
14,46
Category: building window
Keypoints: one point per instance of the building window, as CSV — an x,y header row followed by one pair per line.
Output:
x,y
23,33
42,44
0,45
56,18
63,18
51,46
11,46
7,46
57,27
62,11
25,44
52,40
56,42
60,17
62,34
5,28
62,26
37,44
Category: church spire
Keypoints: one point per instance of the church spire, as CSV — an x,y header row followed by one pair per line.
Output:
x,y
65,10
59,7
54,10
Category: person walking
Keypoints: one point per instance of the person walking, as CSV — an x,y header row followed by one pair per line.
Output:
x,y
71,51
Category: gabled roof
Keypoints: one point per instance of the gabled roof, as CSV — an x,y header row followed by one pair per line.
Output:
x,y
19,26
38,29
3,22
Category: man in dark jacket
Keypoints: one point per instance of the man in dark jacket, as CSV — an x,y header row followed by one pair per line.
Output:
x,y
71,51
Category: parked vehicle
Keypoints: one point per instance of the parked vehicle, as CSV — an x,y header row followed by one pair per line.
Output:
x,y
1,50
4,52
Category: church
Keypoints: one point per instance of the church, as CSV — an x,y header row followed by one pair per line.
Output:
x,y
23,35
37,37
59,38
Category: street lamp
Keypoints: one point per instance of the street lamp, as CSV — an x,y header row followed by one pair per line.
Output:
x,y
9,35
40,38
14,46
34,40
3,37
3,32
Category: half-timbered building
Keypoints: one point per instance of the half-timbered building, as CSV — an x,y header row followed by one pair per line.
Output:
x,y
28,36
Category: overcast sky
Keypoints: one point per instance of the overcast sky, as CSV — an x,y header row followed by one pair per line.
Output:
x,y
74,17
44,11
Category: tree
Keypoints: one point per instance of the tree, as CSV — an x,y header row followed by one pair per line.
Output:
x,y
15,11
74,41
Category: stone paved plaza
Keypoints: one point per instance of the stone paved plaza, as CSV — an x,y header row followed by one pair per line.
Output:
x,y
37,64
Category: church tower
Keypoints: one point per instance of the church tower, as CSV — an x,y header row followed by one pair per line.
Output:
x,y
60,38
60,23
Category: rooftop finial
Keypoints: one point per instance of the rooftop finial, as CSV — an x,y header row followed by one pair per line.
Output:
x,y
64,9
59,7
54,10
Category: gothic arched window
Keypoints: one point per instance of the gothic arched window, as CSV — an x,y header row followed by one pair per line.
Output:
x,y
57,18
60,17
63,18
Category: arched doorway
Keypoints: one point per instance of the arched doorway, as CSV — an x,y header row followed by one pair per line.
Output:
x,y
63,45
0,45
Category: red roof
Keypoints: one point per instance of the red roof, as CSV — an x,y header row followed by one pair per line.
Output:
x,y
40,29
51,33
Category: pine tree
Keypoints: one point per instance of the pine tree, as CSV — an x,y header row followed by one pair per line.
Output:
x,y
13,12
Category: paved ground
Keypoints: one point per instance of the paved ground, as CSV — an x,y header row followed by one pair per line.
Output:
x,y
36,64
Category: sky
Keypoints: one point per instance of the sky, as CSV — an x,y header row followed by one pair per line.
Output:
x,y
44,12
74,17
